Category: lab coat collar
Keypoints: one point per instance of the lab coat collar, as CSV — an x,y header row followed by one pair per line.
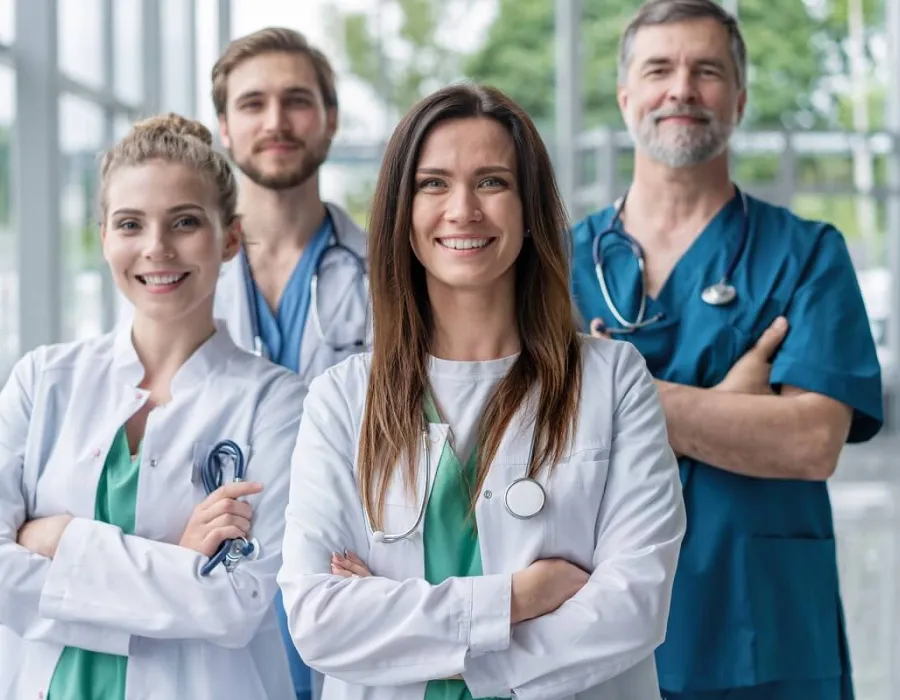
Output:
x,y
206,360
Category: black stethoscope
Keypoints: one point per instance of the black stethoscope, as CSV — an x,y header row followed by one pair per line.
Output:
x,y
720,293
259,347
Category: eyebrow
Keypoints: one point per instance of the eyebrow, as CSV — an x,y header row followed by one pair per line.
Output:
x,y
484,170
658,61
293,91
172,210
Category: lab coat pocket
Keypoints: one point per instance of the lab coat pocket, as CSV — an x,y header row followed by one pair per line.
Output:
x,y
795,608
574,495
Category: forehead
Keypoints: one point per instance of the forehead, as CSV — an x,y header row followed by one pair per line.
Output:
x,y
272,73
473,141
688,42
158,184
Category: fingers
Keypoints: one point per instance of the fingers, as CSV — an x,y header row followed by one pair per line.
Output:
x,y
598,329
770,340
225,506
229,520
217,536
349,565
232,490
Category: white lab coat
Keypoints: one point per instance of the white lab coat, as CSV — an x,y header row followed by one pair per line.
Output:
x,y
142,595
343,302
614,508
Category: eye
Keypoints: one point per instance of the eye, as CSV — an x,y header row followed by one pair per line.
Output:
x,y
493,182
298,102
430,184
126,225
251,105
187,222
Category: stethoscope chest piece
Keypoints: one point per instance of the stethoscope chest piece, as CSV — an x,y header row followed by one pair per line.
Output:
x,y
719,294
525,498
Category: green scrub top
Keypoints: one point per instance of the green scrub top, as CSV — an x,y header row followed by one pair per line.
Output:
x,y
88,675
450,539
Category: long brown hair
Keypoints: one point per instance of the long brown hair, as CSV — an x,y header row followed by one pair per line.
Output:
x,y
550,356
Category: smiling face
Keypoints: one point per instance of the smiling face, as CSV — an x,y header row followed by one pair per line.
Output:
x,y
276,126
467,210
164,239
681,98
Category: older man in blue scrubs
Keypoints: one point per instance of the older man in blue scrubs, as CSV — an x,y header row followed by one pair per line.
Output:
x,y
728,284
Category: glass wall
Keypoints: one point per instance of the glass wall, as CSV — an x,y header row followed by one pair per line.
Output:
x,y
9,279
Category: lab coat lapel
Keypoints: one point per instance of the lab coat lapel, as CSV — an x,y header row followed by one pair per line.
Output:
x,y
232,304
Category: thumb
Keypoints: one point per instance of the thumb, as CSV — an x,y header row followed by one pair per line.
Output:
x,y
770,340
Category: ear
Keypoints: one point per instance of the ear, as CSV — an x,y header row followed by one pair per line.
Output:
x,y
103,240
741,106
233,239
331,121
224,136
622,99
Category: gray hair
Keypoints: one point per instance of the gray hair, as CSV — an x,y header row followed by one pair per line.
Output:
x,y
656,12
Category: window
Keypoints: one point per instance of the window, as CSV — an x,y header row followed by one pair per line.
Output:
x,y
80,27
82,127
9,278
177,71
7,21
128,49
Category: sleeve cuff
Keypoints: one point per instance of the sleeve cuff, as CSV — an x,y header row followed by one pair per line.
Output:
x,y
481,678
489,629
64,575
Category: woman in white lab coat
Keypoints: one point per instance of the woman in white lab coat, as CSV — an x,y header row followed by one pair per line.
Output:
x,y
105,523
528,546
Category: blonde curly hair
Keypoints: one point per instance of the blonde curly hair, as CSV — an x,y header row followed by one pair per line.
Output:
x,y
174,139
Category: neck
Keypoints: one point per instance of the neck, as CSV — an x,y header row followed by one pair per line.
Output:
x,y
163,347
274,220
474,325
675,196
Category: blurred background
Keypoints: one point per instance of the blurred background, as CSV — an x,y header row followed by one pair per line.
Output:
x,y
821,135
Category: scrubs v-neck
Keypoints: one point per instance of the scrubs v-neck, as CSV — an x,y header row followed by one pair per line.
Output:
x,y
88,675
450,538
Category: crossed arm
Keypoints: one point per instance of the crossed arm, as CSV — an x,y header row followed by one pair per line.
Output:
x,y
741,426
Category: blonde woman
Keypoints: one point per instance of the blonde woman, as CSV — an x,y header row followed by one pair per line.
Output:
x,y
106,527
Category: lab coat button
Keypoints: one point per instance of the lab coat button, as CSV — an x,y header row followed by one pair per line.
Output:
x,y
137,396
489,494
96,453
153,462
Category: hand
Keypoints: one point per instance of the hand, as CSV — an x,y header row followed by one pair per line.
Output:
x,y
752,373
543,587
348,565
220,517
42,535
597,331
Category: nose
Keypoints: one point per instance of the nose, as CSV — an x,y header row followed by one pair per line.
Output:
x,y
682,87
158,245
463,206
275,117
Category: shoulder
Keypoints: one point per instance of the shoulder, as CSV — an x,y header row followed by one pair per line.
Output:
x,y
344,384
776,225
272,381
349,233
584,231
93,355
615,363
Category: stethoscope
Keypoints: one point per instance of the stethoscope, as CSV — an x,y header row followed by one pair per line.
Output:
x,y
230,551
359,344
720,293
524,497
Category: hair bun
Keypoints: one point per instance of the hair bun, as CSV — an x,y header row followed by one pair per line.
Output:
x,y
175,124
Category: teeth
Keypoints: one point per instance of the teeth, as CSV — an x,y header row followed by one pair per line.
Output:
x,y
464,243
162,279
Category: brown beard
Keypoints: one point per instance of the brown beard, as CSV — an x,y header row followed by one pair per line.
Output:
x,y
309,165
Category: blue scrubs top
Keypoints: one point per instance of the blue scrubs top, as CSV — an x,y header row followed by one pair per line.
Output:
x,y
282,334
755,598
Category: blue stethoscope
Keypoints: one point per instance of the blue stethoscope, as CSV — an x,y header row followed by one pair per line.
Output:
x,y
230,551
259,347
721,293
